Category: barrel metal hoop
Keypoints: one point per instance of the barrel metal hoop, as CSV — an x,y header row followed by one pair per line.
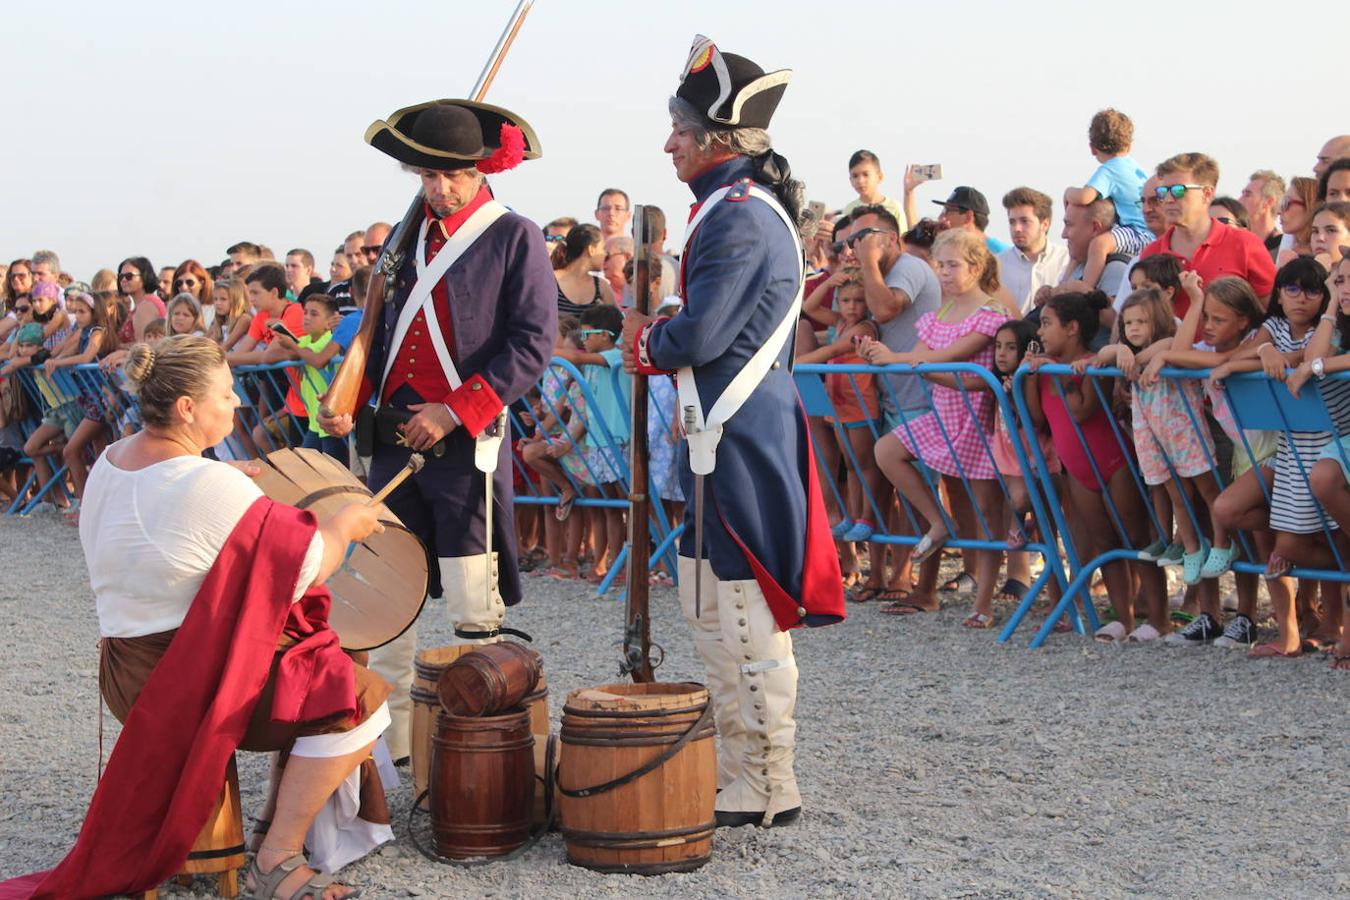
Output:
x,y
309,500
219,853
632,714
588,738
638,840
651,765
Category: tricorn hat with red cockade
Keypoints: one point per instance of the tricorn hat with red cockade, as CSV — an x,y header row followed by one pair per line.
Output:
x,y
455,134
730,91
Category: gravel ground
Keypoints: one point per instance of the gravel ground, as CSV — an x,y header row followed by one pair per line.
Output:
x,y
934,762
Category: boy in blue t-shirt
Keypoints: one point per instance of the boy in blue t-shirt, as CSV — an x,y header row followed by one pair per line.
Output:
x,y
1118,179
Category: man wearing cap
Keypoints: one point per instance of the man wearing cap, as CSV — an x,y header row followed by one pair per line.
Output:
x,y
467,330
768,562
967,208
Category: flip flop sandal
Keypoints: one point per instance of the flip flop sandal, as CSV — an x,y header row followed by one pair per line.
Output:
x,y
1277,567
1013,591
1340,662
961,584
1144,634
925,548
1272,651
1017,537
564,508
1110,633
978,621
863,594
900,606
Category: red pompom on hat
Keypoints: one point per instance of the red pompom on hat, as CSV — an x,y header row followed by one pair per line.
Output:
x,y
508,155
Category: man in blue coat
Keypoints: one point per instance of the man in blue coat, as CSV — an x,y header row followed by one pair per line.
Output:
x,y
468,330
769,561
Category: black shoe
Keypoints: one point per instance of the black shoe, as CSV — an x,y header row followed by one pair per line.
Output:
x,y
402,761
737,819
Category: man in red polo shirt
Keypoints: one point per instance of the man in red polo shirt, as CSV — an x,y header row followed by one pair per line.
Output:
x,y
1187,184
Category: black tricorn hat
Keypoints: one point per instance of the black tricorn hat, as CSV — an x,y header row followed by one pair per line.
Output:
x,y
455,134
730,91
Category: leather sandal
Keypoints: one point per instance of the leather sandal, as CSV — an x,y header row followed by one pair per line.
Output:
x,y
265,885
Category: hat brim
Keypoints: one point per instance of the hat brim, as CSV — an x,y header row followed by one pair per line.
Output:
x,y
390,136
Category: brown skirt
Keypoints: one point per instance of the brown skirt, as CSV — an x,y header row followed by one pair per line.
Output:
x,y
125,665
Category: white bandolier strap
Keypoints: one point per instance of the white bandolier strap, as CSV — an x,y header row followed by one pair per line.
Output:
x,y
428,276
703,439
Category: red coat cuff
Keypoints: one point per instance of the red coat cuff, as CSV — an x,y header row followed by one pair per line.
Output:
x,y
642,353
476,404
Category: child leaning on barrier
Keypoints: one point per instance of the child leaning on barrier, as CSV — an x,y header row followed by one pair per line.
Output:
x,y
1297,303
601,325
1219,321
232,319
1171,440
1011,344
857,409
106,319
1328,353
1087,447
317,350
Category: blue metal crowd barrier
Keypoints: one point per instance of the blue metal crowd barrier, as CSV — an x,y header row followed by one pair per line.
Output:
x,y
1257,403
817,403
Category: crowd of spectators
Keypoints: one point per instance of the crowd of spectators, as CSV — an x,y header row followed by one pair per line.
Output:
x,y
1156,270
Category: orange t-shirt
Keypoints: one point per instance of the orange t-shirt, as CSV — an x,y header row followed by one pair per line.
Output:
x,y
293,317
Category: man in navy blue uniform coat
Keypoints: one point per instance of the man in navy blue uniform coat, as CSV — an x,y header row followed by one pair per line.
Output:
x,y
469,329
769,561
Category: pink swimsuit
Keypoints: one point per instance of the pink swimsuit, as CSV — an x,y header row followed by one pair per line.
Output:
x,y
1105,450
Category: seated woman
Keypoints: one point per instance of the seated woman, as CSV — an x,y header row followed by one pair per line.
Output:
x,y
215,638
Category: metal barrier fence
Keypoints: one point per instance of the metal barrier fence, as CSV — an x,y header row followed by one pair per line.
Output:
x,y
270,416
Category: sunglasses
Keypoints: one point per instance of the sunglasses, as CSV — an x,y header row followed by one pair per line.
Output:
x,y
587,332
186,282
1227,220
1176,190
1289,202
854,238
23,309
554,238
837,247
127,276
371,252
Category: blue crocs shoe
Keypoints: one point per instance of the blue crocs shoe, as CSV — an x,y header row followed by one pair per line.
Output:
x,y
861,531
1220,560
1193,563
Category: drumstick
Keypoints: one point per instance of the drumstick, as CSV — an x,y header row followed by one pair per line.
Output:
x,y
415,463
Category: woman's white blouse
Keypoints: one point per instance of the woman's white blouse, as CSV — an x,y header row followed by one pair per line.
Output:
x,y
150,536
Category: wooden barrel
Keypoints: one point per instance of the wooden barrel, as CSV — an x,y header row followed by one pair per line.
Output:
x,y
638,778
482,783
427,668
491,679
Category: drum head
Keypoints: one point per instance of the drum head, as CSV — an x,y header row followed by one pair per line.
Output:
x,y
380,588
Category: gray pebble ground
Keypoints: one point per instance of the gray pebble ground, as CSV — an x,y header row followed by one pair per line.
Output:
x,y
934,762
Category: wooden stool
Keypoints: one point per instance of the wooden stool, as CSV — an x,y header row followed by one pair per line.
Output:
x,y
219,848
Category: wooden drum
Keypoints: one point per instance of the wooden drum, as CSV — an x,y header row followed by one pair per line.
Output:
x,y
482,784
638,778
380,589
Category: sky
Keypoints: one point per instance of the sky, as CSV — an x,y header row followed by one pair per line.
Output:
x,y
172,129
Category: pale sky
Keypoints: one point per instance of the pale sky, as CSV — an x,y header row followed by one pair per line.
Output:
x,y
174,129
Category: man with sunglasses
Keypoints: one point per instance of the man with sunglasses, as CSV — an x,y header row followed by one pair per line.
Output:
x,y
373,242
1209,248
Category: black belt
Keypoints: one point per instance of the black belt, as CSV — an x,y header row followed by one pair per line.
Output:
x,y
484,635
385,431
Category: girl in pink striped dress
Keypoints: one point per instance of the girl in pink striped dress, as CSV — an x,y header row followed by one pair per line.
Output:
x,y
955,438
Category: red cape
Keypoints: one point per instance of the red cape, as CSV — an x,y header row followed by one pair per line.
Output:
x,y
166,770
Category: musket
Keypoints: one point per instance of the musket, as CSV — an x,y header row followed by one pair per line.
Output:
x,y
346,385
637,619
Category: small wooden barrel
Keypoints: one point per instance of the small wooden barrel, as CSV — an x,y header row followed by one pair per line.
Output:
x,y
219,847
545,759
491,679
482,784
427,669
653,822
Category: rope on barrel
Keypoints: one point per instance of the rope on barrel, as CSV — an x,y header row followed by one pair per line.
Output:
x,y
651,765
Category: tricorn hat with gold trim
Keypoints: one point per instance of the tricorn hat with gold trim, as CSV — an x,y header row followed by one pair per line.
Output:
x,y
455,134
730,91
